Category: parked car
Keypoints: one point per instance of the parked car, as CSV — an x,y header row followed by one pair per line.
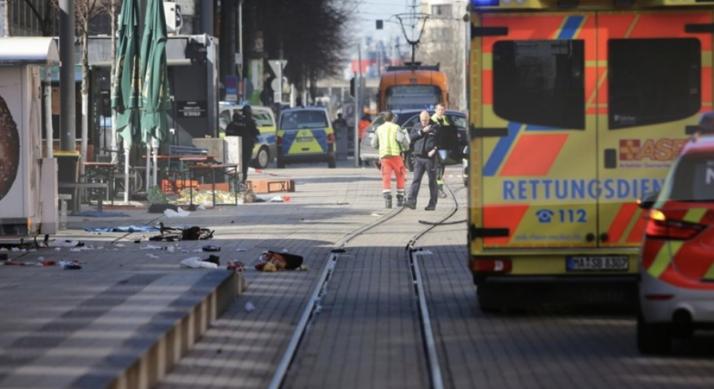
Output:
x,y
677,259
265,149
305,134
408,119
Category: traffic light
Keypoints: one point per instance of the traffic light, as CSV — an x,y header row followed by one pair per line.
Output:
x,y
380,24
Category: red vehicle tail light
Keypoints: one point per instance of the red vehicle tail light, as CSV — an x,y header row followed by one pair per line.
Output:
x,y
661,227
491,265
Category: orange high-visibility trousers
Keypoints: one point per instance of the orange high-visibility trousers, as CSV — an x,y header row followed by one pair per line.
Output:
x,y
393,165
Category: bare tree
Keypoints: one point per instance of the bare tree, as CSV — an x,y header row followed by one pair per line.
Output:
x,y
310,36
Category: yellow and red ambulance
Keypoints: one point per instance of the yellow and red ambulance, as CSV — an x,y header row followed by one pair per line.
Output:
x,y
577,110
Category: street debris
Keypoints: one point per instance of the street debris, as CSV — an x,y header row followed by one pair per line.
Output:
x,y
205,198
249,307
124,229
69,265
211,248
198,263
180,212
66,243
172,234
152,256
236,266
273,199
271,261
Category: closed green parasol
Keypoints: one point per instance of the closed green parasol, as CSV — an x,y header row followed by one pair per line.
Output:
x,y
125,94
155,101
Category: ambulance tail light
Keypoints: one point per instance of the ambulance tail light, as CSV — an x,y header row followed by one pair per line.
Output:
x,y
491,265
662,227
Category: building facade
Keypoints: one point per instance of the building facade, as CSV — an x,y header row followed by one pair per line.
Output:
x,y
444,42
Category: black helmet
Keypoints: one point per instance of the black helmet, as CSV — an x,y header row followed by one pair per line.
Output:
x,y
246,109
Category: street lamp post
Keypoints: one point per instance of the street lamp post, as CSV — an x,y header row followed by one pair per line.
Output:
x,y
67,82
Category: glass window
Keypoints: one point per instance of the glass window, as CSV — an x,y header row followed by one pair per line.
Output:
x,y
303,119
443,10
412,96
653,80
693,179
540,82
262,119
411,122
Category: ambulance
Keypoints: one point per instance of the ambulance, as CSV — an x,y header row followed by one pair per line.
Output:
x,y
577,110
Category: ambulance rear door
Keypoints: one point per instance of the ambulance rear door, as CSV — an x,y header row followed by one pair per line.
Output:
x,y
653,79
538,154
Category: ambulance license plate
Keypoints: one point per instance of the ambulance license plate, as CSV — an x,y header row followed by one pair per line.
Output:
x,y
597,262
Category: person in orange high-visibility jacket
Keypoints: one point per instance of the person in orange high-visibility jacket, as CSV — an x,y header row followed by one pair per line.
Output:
x,y
362,125
391,140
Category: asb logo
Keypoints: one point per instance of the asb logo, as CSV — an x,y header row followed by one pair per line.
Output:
x,y
663,149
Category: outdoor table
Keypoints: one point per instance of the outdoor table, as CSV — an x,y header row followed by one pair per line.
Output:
x,y
82,186
213,167
105,170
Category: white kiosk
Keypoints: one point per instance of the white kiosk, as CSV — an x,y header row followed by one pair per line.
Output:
x,y
28,178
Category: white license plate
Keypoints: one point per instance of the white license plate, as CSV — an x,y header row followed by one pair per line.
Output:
x,y
597,262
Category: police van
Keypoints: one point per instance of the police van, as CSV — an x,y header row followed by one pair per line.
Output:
x,y
576,112
305,134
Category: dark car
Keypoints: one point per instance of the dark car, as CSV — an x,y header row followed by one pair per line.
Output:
x,y
408,119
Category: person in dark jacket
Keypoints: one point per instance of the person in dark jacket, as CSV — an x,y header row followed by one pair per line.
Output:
x,y
245,127
424,137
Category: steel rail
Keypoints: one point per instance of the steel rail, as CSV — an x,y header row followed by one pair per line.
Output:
x,y
316,296
437,378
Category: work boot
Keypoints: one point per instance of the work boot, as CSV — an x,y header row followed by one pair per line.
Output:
x,y
387,200
400,199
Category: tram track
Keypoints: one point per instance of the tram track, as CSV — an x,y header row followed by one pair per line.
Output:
x,y
313,306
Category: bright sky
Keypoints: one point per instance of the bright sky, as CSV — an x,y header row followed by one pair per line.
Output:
x,y
371,10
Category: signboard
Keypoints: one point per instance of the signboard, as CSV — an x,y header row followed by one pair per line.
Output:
x,y
231,88
191,109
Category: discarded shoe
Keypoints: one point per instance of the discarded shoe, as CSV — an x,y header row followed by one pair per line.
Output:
x,y
69,265
213,259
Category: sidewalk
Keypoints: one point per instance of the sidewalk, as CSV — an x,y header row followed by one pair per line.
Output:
x,y
367,333
88,327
